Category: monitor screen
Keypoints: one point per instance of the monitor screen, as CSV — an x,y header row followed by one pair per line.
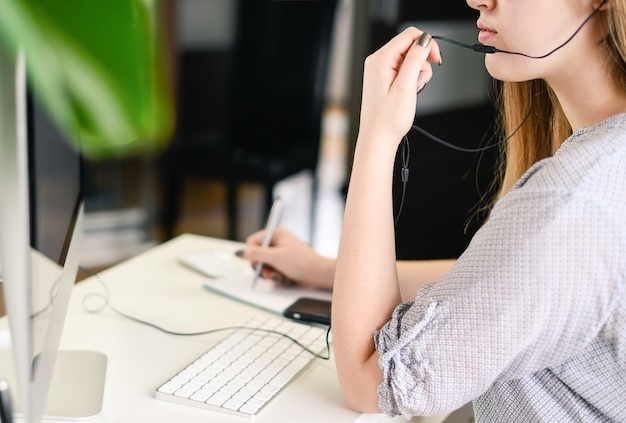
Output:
x,y
55,185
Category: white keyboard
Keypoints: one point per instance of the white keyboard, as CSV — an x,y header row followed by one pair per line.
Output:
x,y
245,370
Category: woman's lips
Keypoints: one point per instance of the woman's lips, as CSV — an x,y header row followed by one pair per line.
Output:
x,y
485,35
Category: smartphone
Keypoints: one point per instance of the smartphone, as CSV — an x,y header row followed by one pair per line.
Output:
x,y
309,310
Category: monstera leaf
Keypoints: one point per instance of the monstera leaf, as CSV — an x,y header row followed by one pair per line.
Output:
x,y
98,67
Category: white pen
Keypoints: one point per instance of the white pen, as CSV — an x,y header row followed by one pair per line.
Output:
x,y
270,227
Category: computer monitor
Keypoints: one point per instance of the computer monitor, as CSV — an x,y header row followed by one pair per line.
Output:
x,y
41,216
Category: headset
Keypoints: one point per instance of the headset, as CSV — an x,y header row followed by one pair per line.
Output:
x,y
485,49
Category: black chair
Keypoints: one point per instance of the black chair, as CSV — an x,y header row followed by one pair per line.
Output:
x,y
275,100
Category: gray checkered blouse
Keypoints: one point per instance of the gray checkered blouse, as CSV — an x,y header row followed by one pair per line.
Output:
x,y
530,324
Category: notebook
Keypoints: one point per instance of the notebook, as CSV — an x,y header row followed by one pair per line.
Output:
x,y
232,277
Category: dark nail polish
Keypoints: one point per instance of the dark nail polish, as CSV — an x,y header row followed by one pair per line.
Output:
x,y
424,40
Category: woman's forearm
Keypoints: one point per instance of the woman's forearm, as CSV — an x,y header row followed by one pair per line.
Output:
x,y
366,284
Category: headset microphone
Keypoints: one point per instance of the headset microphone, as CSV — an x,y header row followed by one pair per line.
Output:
x,y
481,48
478,48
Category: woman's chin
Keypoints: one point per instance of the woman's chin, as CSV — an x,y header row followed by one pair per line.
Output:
x,y
501,69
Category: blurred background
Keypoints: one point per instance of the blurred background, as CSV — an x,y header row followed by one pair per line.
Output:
x,y
127,199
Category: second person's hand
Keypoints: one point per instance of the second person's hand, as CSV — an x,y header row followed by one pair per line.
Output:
x,y
289,260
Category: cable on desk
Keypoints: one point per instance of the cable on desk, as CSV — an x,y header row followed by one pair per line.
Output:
x,y
106,303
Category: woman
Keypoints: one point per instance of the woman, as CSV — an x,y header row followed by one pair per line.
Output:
x,y
530,322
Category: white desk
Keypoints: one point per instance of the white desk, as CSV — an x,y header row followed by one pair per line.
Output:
x,y
155,288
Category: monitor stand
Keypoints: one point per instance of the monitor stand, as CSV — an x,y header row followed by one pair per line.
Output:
x,y
76,388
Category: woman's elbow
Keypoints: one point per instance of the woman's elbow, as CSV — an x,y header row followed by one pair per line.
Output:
x,y
360,390
361,402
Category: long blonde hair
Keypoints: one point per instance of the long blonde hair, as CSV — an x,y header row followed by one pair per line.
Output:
x,y
531,111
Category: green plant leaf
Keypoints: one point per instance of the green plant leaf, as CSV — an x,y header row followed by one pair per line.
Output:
x,y
99,67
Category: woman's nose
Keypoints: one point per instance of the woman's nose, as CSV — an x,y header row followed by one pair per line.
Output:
x,y
480,4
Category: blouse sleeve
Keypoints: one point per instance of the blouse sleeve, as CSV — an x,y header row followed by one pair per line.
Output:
x,y
533,288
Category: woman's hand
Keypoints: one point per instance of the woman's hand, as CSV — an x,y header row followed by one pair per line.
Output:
x,y
290,259
392,78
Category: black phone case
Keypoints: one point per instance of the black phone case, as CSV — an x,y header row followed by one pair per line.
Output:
x,y
309,310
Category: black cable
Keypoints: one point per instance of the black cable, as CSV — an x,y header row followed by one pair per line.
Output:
x,y
406,152
477,149
105,298
478,48
458,148
404,173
